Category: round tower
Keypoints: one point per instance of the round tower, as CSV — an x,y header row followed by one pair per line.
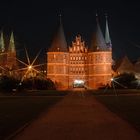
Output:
x,y
100,59
57,60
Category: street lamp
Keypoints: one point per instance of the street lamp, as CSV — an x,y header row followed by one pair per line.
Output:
x,y
112,79
29,67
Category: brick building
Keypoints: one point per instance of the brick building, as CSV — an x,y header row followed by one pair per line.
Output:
x,y
8,60
79,65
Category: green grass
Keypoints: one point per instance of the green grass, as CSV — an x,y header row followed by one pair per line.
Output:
x,y
125,106
15,111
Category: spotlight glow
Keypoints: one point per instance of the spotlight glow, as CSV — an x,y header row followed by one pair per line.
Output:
x,y
78,82
112,79
29,67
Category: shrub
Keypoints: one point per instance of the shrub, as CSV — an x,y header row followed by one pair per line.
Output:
x,y
39,84
124,80
8,83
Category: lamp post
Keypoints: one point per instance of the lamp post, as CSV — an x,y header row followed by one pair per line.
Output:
x,y
32,76
113,80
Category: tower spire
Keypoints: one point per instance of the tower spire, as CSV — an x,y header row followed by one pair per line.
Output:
x,y
2,46
11,54
11,43
107,35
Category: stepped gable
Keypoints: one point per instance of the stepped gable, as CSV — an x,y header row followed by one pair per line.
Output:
x,y
78,46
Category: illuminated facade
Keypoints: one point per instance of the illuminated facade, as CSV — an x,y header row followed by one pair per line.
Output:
x,y
8,59
78,62
79,65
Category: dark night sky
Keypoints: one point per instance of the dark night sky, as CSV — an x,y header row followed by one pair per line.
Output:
x,y
35,22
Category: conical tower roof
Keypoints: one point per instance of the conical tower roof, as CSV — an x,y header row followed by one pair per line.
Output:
x,y
12,43
107,36
137,66
98,41
59,43
2,46
125,66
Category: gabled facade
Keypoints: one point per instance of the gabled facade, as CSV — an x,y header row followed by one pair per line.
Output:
x,y
78,65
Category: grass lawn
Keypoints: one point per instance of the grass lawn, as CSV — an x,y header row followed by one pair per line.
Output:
x,y
16,111
126,106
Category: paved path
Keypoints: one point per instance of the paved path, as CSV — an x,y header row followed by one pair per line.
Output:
x,y
79,117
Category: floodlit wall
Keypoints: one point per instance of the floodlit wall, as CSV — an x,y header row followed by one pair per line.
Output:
x,y
94,68
100,69
57,68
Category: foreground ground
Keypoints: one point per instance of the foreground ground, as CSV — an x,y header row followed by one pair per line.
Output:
x,y
125,106
79,116
17,111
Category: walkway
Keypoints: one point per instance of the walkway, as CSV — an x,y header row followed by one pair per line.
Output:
x,y
79,117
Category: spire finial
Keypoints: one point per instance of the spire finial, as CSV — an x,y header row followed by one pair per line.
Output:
x,y
60,18
96,14
106,16
96,17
